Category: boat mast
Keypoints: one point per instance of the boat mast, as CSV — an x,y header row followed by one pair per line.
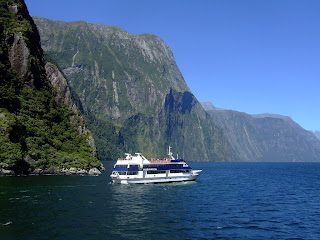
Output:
x,y
170,154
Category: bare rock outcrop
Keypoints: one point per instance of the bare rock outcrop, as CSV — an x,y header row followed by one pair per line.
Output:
x,y
60,84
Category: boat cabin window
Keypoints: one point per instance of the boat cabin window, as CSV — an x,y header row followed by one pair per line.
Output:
x,y
128,173
134,166
162,165
121,166
179,170
155,171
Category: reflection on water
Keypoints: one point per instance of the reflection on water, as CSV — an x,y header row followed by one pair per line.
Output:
x,y
146,207
129,205
228,201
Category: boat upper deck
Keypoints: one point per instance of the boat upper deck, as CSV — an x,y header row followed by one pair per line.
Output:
x,y
151,160
139,160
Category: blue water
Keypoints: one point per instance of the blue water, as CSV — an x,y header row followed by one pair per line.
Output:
x,y
228,201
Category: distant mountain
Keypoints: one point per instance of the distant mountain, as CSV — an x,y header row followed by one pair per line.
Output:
x,y
317,134
208,106
131,92
40,129
267,137
271,115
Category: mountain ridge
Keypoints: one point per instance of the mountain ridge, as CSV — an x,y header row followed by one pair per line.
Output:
x,y
267,137
130,47
132,92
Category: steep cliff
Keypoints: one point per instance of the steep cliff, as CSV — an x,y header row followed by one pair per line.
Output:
x,y
267,137
116,74
63,96
187,126
131,91
39,132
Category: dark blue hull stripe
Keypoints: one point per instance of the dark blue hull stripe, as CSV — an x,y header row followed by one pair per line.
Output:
x,y
165,182
150,168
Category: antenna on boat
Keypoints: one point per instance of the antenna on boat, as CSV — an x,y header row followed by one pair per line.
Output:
x,y
170,154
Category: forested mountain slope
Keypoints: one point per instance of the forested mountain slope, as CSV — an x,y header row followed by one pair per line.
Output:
x,y
38,132
131,92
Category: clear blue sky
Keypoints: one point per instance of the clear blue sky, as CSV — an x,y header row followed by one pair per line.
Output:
x,y
253,56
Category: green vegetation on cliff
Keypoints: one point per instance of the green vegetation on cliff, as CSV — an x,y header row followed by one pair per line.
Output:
x,y
131,92
35,130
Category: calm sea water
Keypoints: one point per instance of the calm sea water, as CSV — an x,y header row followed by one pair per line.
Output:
x,y
228,201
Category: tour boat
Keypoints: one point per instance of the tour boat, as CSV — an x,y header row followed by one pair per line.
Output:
x,y
138,169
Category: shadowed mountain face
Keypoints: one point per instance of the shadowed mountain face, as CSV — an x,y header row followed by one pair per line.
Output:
x,y
39,127
267,137
131,92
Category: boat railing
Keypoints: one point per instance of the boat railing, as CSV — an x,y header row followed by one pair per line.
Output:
x,y
128,157
154,160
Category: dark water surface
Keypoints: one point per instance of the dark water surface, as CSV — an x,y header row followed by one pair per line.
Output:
x,y
228,201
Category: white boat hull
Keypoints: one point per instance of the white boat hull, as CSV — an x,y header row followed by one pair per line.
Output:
x,y
139,170
164,179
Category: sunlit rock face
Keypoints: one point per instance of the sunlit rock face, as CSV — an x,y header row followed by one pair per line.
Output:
x,y
132,91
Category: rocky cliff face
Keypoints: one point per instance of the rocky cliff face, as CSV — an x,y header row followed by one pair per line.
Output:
x,y
131,91
23,53
111,69
38,132
267,137
60,84
187,126
63,96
